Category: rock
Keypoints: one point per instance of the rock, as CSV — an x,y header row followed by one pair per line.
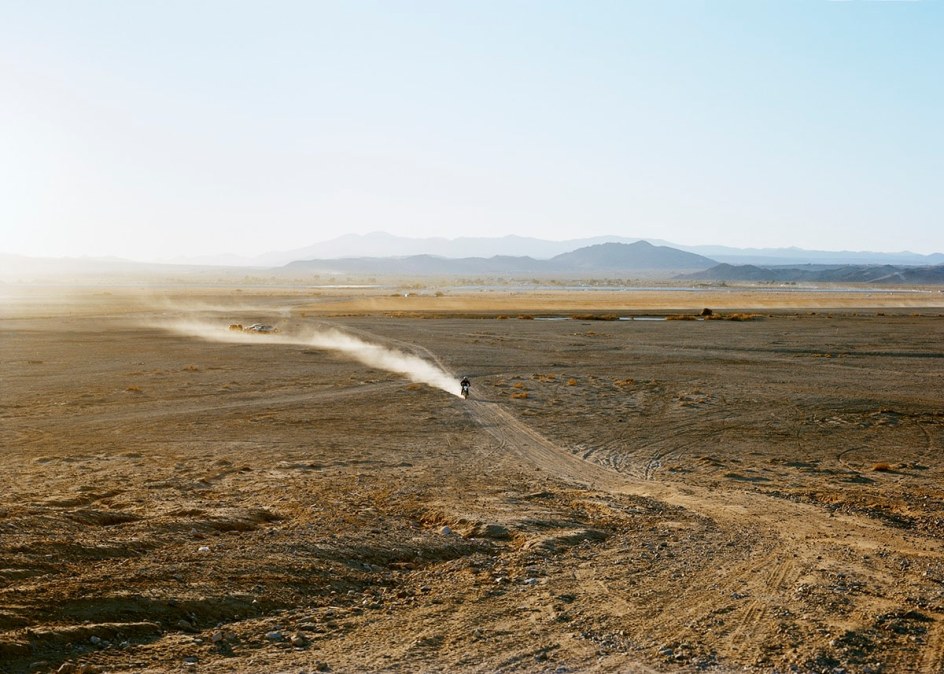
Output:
x,y
274,635
217,637
191,660
203,548
531,581
95,640
446,531
184,625
496,531
298,640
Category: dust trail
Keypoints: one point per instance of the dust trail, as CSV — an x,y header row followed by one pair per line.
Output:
x,y
409,365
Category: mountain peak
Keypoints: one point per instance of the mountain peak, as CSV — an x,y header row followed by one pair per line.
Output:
x,y
632,256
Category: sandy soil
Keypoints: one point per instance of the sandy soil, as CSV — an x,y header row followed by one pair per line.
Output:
x,y
761,495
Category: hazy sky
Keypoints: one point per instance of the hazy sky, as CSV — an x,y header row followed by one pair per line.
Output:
x,y
163,128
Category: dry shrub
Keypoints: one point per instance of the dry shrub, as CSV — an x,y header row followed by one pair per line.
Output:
x,y
517,384
680,317
501,317
734,317
519,394
133,389
882,467
236,326
414,387
571,382
191,368
624,383
525,317
595,317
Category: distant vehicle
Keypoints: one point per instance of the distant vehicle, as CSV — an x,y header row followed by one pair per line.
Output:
x,y
255,327
464,386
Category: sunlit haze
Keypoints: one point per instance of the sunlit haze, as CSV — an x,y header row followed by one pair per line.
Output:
x,y
158,130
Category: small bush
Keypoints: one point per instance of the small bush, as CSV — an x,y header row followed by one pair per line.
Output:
x,y
571,382
680,317
191,368
517,384
519,394
236,327
525,317
133,389
595,317
882,467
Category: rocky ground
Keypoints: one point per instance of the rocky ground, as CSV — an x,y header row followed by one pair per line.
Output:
x,y
759,495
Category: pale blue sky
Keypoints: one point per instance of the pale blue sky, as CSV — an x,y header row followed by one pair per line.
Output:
x,y
154,129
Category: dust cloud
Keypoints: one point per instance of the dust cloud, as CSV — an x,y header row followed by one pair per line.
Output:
x,y
408,365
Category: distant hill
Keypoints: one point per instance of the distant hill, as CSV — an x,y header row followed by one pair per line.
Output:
x,y
769,257
889,274
639,258
639,255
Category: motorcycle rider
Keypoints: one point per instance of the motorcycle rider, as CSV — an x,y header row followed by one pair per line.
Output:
x,y
464,385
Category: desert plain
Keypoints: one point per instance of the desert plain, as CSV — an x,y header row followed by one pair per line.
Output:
x,y
759,491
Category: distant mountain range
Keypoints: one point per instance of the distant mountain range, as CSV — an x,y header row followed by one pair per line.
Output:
x,y
640,257
848,273
381,244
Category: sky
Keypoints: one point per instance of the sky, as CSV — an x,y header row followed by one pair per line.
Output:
x,y
153,130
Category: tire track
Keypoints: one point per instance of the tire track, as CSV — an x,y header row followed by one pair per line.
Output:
x,y
735,507
89,417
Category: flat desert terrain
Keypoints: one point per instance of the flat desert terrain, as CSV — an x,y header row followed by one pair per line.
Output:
x,y
756,495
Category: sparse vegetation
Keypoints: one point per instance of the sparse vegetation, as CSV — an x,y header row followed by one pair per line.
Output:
x,y
734,317
595,317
